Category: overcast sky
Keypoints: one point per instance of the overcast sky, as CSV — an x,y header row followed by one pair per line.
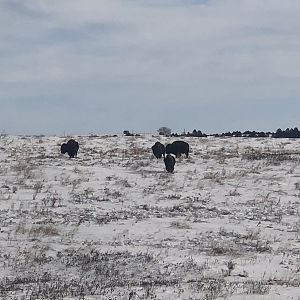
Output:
x,y
102,66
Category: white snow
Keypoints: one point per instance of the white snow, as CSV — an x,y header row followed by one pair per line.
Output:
x,y
113,224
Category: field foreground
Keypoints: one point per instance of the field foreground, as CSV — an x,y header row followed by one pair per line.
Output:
x,y
113,224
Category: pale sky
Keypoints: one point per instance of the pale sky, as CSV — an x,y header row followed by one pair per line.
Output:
x,y
103,66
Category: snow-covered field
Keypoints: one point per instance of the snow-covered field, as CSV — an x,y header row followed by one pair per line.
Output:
x,y
113,224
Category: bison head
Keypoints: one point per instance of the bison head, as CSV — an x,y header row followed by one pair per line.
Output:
x,y
63,148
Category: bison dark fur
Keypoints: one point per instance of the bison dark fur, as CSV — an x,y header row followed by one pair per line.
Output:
x,y
158,150
177,148
169,161
71,147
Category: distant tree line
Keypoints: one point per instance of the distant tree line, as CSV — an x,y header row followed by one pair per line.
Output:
x,y
287,133
247,133
195,133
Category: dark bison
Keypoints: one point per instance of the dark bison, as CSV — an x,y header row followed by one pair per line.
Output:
x,y
177,148
71,147
169,161
158,150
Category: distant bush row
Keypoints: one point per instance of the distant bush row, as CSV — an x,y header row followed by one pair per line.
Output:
x,y
288,133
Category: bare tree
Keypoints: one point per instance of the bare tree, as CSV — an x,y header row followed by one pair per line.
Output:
x,y
164,131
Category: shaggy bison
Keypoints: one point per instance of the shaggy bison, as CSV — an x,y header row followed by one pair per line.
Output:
x,y
71,147
169,161
177,148
158,150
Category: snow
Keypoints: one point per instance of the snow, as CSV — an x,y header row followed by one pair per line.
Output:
x,y
113,224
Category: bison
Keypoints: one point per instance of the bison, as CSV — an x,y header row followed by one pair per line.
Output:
x,y
71,147
158,150
169,161
177,148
